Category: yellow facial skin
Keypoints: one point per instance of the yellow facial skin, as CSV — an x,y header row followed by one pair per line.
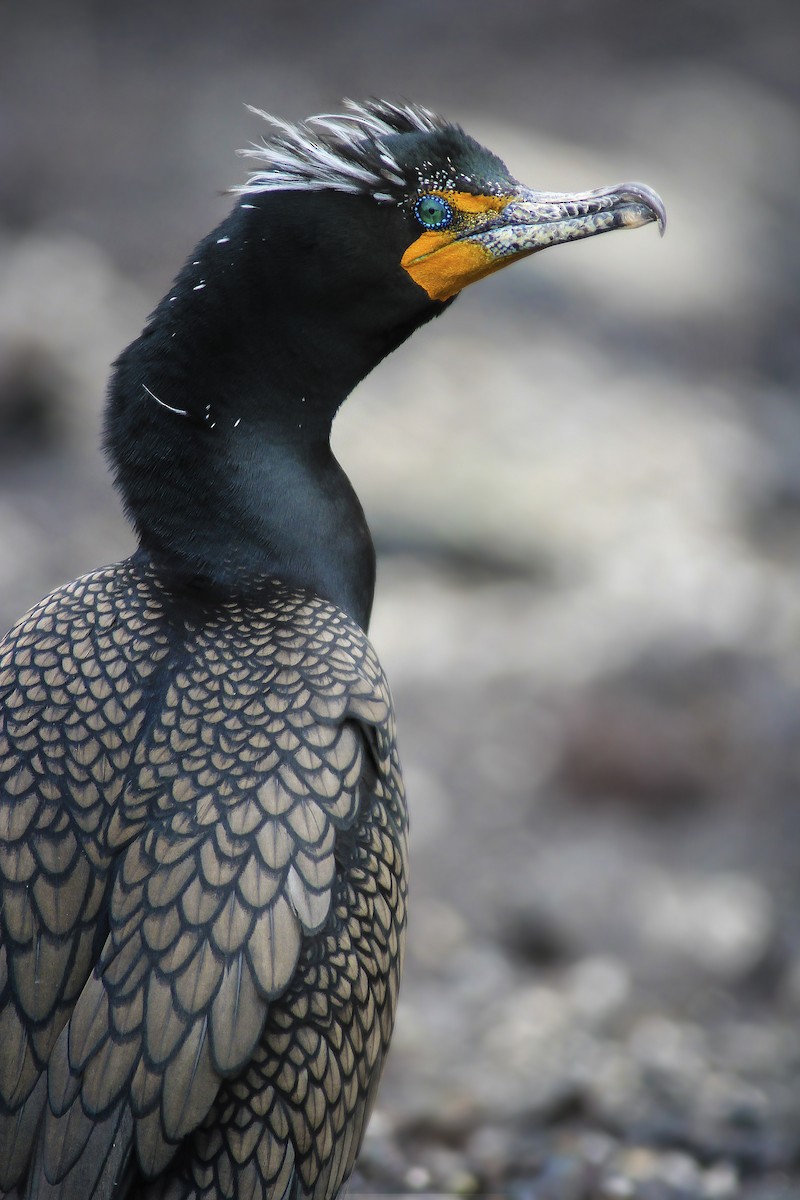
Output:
x,y
486,233
442,261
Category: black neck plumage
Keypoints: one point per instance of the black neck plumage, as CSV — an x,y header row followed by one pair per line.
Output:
x,y
219,414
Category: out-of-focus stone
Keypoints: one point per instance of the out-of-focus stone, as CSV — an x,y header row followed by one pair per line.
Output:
x,y
724,923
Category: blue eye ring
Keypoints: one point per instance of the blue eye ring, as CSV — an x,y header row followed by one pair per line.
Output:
x,y
433,212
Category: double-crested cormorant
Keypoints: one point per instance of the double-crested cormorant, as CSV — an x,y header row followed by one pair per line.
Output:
x,y
202,822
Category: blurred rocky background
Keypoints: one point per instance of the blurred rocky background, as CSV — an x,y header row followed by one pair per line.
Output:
x,y
585,488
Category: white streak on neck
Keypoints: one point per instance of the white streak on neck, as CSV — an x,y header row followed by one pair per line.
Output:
x,y
180,412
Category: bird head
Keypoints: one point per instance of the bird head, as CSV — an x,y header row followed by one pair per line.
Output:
x,y
447,210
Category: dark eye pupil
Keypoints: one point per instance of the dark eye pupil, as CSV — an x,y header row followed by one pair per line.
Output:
x,y
433,212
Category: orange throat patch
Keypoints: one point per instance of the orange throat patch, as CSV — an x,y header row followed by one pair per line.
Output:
x,y
444,261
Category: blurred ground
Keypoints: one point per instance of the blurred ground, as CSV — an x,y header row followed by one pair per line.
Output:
x,y
585,486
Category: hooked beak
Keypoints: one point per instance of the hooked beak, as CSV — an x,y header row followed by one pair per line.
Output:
x,y
532,221
523,223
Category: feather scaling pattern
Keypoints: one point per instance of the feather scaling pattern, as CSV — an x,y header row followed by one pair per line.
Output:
x,y
202,832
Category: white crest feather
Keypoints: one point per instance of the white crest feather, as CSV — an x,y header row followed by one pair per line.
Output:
x,y
345,152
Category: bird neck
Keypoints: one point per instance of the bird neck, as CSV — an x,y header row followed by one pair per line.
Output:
x,y
219,419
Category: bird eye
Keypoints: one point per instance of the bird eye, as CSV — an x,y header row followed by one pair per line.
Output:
x,y
433,212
